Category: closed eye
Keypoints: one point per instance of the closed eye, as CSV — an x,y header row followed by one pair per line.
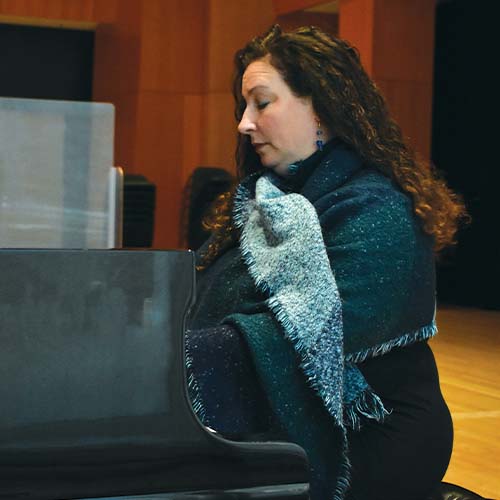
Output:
x,y
262,105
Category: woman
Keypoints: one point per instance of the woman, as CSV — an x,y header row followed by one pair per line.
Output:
x,y
317,289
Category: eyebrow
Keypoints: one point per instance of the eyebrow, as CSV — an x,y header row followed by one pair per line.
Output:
x,y
256,87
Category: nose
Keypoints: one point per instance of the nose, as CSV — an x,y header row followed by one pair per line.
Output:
x,y
247,123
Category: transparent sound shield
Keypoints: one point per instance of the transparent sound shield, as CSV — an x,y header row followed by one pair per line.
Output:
x,y
58,187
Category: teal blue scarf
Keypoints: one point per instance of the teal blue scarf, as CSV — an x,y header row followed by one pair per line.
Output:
x,y
344,272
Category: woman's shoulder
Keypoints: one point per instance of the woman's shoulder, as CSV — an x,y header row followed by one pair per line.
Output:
x,y
343,179
369,206
369,195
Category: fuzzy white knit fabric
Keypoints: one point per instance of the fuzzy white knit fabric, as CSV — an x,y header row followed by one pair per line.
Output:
x,y
283,246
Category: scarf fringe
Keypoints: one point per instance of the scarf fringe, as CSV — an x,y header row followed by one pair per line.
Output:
x,y
368,405
344,475
423,333
240,207
194,388
306,365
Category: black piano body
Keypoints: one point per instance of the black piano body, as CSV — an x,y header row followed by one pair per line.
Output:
x,y
93,391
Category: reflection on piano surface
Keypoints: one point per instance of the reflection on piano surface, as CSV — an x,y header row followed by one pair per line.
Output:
x,y
94,400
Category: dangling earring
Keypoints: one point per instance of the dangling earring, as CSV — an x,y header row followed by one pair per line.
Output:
x,y
319,136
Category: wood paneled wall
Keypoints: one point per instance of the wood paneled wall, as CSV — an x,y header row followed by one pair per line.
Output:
x,y
286,6
230,26
167,67
73,10
329,23
396,42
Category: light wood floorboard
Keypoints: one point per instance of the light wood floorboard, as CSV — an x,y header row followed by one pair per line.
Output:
x,y
467,351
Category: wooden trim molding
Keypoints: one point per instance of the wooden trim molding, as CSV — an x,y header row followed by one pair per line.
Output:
x,y
48,23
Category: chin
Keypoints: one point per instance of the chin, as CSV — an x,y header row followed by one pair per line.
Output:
x,y
280,169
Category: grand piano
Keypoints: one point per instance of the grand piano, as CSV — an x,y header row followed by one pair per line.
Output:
x,y
94,401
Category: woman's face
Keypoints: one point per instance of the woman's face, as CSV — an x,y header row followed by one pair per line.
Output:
x,y
281,126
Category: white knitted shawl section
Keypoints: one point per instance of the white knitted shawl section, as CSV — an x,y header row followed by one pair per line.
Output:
x,y
282,245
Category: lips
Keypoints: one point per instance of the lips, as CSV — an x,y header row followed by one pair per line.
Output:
x,y
259,145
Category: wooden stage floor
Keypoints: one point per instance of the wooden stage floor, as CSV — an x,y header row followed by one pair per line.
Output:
x,y
467,351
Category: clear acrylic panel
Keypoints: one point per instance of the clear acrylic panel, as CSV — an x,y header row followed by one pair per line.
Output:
x,y
56,171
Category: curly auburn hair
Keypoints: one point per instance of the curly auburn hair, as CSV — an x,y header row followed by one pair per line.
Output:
x,y
348,103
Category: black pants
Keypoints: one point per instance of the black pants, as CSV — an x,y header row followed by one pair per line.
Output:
x,y
405,457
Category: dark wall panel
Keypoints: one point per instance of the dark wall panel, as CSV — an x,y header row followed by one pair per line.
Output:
x,y
464,150
46,63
